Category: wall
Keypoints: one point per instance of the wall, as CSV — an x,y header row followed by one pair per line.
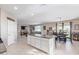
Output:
x,y
74,21
19,29
14,39
4,26
52,24
47,25
0,22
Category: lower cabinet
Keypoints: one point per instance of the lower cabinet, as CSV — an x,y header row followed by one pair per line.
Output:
x,y
28,40
37,43
43,44
32,41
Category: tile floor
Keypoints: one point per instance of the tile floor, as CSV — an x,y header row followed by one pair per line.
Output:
x,y
67,48
22,48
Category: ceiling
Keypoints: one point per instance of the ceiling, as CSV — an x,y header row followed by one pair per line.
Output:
x,y
41,13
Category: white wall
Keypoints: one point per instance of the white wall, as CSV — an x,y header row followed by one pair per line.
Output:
x,y
19,24
18,31
4,26
0,22
14,30
51,24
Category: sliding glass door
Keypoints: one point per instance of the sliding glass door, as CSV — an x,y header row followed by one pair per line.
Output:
x,y
59,27
66,29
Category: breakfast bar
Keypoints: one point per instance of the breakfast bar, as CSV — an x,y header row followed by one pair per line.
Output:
x,y
44,43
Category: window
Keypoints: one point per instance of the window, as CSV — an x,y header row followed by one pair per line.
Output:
x,y
37,28
59,27
67,29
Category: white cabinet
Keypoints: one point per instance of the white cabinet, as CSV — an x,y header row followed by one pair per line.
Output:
x,y
32,41
28,40
37,43
43,44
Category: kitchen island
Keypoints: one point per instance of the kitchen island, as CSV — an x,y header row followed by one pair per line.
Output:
x,y
44,43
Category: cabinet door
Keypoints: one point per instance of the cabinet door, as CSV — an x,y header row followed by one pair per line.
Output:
x,y
37,43
45,45
32,41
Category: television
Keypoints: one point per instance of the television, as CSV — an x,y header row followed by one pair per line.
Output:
x,y
23,27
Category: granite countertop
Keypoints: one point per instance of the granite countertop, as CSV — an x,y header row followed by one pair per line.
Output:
x,y
42,36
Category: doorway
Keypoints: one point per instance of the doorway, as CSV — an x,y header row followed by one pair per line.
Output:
x,y
12,30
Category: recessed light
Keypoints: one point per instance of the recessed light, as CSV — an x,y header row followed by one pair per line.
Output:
x,y
43,5
15,8
32,14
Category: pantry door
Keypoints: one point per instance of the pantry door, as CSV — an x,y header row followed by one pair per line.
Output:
x,y
11,32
